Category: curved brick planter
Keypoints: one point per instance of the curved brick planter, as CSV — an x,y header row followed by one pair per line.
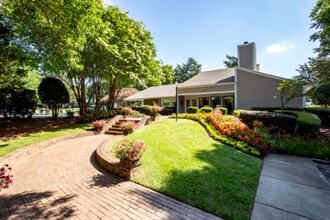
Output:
x,y
114,165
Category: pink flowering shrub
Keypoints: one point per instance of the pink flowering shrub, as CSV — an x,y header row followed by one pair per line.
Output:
x,y
129,150
126,110
128,126
155,110
5,179
99,124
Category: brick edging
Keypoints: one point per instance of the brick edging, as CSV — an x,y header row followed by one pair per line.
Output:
x,y
13,157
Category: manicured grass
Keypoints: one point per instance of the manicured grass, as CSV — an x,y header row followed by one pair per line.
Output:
x,y
183,162
11,145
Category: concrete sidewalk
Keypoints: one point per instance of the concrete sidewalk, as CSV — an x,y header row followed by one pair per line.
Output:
x,y
291,188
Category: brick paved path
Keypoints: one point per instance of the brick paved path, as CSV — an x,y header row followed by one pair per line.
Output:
x,y
64,181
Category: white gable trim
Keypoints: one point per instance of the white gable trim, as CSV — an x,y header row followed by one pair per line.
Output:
x,y
207,93
206,85
235,94
259,73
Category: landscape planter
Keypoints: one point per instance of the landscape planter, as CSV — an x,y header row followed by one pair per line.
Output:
x,y
126,167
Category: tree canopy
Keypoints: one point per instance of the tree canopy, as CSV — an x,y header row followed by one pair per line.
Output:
x,y
187,70
231,61
53,93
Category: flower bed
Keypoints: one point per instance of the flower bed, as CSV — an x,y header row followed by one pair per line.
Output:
x,y
129,150
128,127
232,127
5,178
99,124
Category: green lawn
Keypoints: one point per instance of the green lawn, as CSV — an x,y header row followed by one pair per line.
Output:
x,y
183,162
11,145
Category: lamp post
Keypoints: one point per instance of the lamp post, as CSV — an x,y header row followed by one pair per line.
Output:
x,y
176,84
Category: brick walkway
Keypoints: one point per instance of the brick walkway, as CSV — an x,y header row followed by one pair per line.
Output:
x,y
64,181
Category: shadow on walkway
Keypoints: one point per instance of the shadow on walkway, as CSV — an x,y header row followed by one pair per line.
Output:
x,y
35,205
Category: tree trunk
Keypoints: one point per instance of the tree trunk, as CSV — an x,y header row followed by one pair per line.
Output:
x,y
112,94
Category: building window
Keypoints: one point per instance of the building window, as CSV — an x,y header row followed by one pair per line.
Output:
x,y
204,101
187,103
194,102
216,101
168,103
228,102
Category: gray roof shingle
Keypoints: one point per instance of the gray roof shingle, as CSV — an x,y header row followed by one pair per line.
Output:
x,y
211,77
154,92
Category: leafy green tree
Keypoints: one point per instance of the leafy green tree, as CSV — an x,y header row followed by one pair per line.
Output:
x,y
321,95
321,23
24,102
53,93
231,61
59,31
187,70
132,57
168,74
289,89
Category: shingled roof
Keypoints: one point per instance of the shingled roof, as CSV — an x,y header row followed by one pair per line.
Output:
x,y
211,77
154,92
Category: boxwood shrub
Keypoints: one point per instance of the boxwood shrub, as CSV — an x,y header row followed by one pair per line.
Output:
x,y
282,121
192,110
307,122
223,110
206,109
144,109
168,111
322,113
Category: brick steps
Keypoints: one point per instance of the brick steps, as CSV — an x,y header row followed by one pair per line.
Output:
x,y
116,130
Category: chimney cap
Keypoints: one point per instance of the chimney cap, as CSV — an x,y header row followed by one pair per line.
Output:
x,y
246,42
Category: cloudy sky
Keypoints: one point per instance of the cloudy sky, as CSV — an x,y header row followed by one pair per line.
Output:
x,y
207,30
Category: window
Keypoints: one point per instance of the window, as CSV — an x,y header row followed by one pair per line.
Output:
x,y
229,103
194,102
187,103
215,101
204,101
168,103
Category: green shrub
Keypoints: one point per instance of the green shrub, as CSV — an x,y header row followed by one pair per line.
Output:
x,y
272,109
69,114
269,119
168,111
206,109
194,117
223,110
144,109
307,122
192,110
322,113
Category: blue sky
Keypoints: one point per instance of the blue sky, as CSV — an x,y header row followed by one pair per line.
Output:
x,y
207,30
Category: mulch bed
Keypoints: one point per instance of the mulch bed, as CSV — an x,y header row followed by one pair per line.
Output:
x,y
19,127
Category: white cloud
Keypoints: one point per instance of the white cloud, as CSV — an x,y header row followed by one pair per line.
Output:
x,y
279,47
204,67
111,2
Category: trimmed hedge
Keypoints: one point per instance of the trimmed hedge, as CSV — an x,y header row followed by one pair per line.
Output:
x,y
192,110
282,121
167,111
273,109
322,113
144,109
223,110
307,122
206,109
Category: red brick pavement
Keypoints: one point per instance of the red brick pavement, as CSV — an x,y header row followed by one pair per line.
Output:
x,y
63,181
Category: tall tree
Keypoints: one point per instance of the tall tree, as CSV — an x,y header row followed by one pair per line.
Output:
x,y
168,74
231,61
53,93
58,30
132,59
187,70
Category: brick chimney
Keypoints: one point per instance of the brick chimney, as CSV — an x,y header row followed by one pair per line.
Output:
x,y
247,55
